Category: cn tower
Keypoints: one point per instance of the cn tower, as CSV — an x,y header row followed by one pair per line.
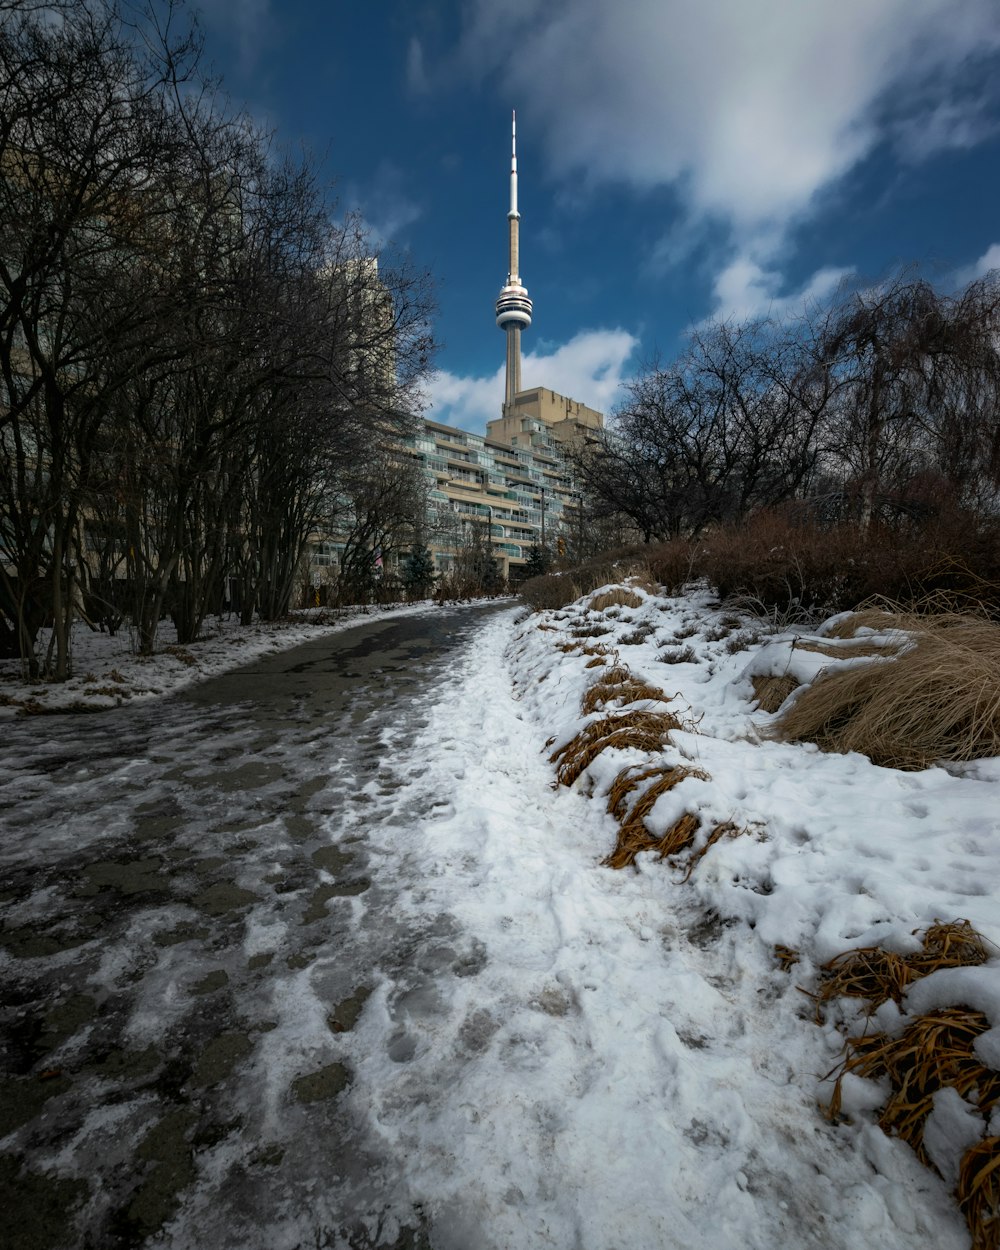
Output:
x,y
513,305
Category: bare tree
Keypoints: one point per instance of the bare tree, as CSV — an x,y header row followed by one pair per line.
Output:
x,y
84,131
726,428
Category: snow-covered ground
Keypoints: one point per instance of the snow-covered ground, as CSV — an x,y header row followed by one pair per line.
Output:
x,y
631,1066
107,673
547,1052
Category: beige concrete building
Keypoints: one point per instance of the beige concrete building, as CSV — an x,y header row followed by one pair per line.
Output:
x,y
515,480
565,419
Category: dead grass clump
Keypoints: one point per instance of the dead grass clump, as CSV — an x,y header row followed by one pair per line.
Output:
x,y
786,956
617,596
742,641
771,692
868,972
596,662
643,581
859,648
978,1192
617,675
937,701
634,837
636,636
612,688
641,730
875,974
679,655
633,834
934,1052
887,621
952,945
109,692
550,590
623,785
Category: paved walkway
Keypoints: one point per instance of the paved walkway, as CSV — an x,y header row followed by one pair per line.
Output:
x,y
170,873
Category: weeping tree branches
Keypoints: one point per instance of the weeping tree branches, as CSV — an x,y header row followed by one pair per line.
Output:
x,y
886,390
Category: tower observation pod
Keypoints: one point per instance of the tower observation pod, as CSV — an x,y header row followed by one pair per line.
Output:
x,y
513,304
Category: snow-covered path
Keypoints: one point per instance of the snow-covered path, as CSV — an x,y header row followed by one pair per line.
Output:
x,y
363,982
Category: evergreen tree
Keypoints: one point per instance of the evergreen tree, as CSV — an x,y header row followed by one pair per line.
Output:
x,y
418,571
538,561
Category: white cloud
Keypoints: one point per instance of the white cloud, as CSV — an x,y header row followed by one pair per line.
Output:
x,y
952,124
990,259
589,368
748,109
746,289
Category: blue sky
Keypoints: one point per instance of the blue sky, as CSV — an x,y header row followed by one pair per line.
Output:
x,y
678,160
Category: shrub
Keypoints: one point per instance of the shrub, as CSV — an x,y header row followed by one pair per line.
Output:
x,y
673,563
678,655
936,700
617,596
551,590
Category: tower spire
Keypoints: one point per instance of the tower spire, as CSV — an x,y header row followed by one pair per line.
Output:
x,y
513,166
513,308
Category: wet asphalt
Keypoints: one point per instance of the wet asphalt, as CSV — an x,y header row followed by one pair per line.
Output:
x,y
165,870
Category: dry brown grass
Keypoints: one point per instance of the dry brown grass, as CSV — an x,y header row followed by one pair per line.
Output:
x,y
858,648
618,685
786,956
875,974
180,653
623,785
643,581
937,701
868,972
978,1192
641,730
617,596
953,944
936,614
934,1052
771,692
634,837
633,834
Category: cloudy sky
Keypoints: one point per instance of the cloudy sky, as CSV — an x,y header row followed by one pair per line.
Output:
x,y
678,161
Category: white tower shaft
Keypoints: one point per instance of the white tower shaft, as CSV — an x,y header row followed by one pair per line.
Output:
x,y
513,308
513,217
